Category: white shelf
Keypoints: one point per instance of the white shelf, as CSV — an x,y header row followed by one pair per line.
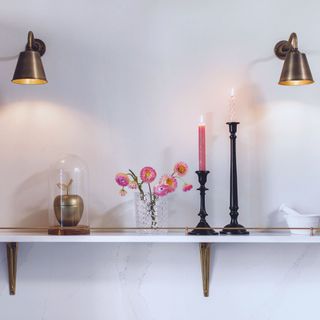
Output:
x,y
12,239
124,237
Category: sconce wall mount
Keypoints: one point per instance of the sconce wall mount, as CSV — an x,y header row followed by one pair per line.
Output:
x,y
296,70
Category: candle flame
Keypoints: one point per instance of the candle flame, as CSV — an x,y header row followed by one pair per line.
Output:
x,y
232,92
201,119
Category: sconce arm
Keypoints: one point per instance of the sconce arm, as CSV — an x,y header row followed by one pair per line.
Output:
x,y
283,47
35,44
293,40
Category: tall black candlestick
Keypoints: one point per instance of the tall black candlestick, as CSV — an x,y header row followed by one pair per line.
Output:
x,y
233,228
202,177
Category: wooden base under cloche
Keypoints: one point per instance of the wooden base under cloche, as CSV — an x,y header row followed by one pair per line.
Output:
x,y
69,231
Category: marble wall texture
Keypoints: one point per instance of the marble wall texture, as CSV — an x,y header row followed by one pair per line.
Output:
x,y
127,83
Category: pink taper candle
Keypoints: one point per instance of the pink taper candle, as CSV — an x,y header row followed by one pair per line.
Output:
x,y
202,144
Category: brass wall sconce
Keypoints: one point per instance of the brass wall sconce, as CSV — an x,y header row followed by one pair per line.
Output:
x,y
29,69
295,71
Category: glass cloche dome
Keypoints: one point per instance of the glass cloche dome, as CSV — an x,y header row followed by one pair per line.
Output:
x,y
68,204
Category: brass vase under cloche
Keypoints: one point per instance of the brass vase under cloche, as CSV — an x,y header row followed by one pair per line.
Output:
x,y
68,213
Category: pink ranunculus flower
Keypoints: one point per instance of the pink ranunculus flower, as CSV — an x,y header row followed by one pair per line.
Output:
x,y
170,181
148,174
122,192
181,169
187,187
122,179
133,185
161,190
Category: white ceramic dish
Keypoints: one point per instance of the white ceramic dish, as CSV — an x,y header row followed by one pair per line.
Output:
x,y
302,221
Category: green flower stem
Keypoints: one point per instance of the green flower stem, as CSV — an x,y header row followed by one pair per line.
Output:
x,y
181,179
152,204
136,180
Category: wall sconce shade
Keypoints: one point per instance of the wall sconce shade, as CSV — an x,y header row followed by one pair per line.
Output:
x,y
29,69
296,70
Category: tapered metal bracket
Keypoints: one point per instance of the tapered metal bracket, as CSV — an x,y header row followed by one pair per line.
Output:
x,y
205,266
12,248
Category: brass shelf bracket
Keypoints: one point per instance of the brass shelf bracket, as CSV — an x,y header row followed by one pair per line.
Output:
x,y
12,248
205,266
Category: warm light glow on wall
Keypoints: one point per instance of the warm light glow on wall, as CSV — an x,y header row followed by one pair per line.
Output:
x,y
41,124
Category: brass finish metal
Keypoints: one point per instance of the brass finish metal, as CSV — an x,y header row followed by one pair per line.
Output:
x,y
296,70
35,44
12,248
283,47
71,231
29,69
205,267
68,209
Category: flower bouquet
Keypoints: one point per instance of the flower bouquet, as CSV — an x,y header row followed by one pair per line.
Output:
x,y
150,200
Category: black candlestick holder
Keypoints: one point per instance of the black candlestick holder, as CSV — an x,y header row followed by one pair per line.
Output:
x,y
207,230
233,228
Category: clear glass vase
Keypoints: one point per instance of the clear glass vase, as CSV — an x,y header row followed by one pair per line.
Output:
x,y
151,214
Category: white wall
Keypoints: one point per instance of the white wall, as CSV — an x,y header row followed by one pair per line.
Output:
x,y
127,82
